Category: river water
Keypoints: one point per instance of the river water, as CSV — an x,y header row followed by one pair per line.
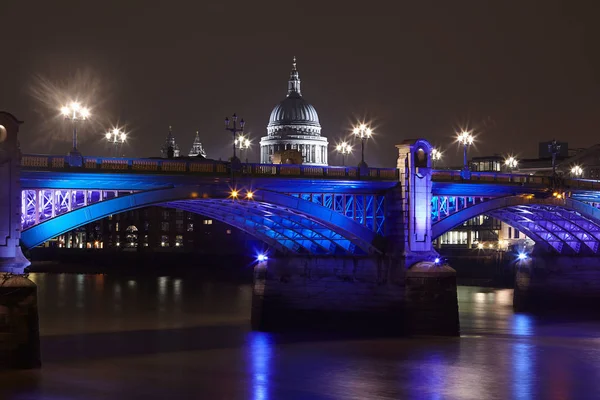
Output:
x,y
170,337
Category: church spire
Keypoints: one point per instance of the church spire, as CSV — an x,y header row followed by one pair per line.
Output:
x,y
197,149
294,82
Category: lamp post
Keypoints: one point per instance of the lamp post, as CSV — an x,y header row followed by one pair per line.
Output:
x,y
234,130
511,163
242,143
75,113
466,139
554,150
436,155
116,138
344,149
362,132
576,171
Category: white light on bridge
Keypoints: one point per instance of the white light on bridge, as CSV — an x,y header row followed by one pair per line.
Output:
x,y
522,256
262,257
577,170
511,162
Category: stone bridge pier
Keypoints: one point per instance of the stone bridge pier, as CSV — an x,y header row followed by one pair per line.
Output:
x,y
547,283
404,289
19,329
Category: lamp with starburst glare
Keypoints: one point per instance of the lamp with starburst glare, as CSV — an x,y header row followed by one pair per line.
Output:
x,y
362,132
75,113
343,149
116,138
466,139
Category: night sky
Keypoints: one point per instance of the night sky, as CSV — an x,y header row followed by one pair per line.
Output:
x,y
517,72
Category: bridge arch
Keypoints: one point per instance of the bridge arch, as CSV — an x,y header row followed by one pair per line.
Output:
x,y
288,224
564,226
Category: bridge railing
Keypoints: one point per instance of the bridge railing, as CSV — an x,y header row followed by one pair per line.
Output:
x,y
143,165
492,177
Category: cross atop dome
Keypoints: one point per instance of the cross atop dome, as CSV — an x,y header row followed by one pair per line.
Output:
x,y
294,82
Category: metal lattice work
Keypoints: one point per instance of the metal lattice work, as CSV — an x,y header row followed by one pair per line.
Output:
x,y
287,223
366,209
444,206
283,230
565,226
42,204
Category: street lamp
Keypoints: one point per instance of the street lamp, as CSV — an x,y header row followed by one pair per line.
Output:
x,y
511,163
436,155
242,143
74,112
116,137
466,139
344,149
554,150
234,130
577,171
362,132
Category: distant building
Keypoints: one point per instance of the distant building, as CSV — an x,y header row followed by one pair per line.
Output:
x,y
294,125
157,229
197,148
169,149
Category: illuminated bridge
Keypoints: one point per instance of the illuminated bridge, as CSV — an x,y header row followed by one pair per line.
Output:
x,y
298,209
345,242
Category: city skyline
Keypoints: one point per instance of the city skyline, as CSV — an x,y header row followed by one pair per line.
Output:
x,y
414,70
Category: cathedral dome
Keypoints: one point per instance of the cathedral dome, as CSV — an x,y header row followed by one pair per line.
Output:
x,y
294,125
294,111
294,115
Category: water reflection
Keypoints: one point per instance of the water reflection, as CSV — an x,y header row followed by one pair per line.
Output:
x,y
260,348
190,338
523,371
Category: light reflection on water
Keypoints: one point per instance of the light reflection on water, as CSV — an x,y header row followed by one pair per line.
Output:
x,y
189,337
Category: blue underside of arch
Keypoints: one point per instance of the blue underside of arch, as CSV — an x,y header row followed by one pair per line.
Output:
x,y
288,224
563,226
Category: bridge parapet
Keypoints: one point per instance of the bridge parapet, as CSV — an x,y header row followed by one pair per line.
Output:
x,y
145,165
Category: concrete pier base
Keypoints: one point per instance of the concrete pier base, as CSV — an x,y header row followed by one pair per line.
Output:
x,y
350,295
431,300
16,263
547,284
19,326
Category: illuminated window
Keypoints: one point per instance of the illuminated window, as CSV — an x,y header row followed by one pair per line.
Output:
x,y
190,227
228,231
132,236
179,241
117,227
208,222
164,241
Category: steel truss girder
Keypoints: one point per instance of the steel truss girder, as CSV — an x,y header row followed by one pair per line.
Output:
x,y
539,227
261,223
370,215
571,224
325,226
39,205
304,232
245,225
571,233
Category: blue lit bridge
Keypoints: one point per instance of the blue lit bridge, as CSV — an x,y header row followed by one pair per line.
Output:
x,y
346,242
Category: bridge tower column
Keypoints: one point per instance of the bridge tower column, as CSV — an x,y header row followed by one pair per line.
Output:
x,y
431,298
18,295
11,256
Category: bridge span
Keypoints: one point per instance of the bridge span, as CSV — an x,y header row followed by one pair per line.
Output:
x,y
345,243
